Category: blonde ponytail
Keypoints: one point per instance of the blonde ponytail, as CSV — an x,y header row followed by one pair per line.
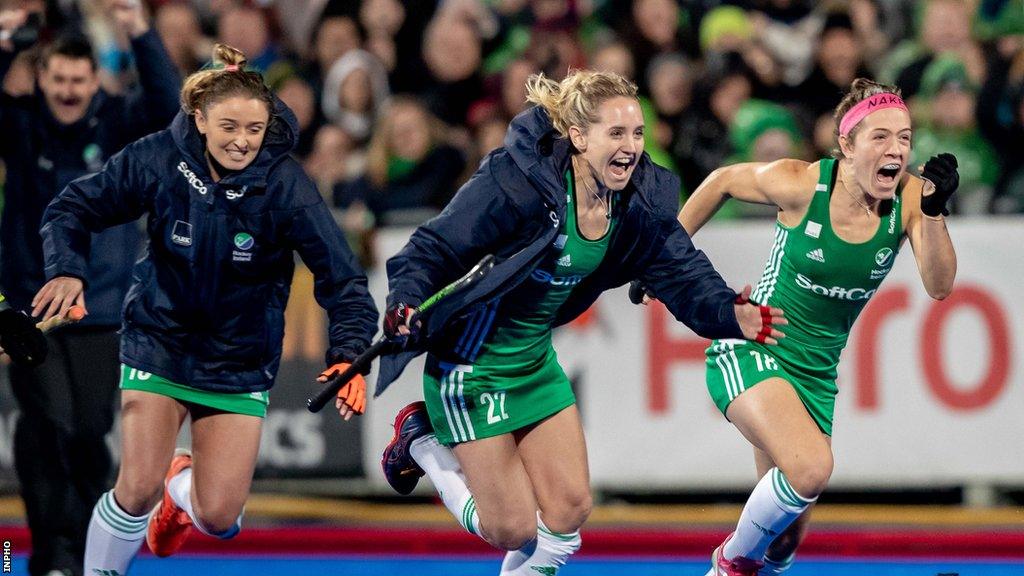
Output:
x,y
575,100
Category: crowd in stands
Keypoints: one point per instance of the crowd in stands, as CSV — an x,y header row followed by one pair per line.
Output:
x,y
398,100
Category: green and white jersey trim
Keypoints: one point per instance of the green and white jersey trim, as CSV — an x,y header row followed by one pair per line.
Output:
x,y
452,386
770,277
729,364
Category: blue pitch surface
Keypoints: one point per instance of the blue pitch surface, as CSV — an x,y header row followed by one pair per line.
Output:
x,y
462,566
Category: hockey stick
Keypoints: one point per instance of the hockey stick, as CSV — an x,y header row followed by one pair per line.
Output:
x,y
74,314
331,387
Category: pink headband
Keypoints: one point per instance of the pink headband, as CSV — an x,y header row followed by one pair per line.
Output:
x,y
867,106
231,68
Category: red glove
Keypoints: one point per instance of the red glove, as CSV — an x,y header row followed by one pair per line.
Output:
x,y
770,318
397,316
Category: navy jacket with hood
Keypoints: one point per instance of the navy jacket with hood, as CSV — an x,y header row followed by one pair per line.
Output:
x,y
206,306
512,208
42,156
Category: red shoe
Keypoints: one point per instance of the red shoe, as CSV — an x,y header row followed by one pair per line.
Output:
x,y
169,525
400,470
739,566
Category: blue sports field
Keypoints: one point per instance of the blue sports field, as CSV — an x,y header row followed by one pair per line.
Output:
x,y
353,565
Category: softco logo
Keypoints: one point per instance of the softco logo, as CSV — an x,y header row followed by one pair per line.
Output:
x,y
548,278
883,257
244,241
193,180
837,292
235,194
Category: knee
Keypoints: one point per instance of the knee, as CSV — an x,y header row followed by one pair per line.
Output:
x,y
811,477
571,511
216,516
137,492
510,533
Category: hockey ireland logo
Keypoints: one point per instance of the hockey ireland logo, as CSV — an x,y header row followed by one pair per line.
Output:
x,y
244,241
884,257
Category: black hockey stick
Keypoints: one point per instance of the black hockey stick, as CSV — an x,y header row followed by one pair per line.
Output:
x,y
333,384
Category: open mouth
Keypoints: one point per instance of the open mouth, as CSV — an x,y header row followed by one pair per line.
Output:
x,y
887,174
620,166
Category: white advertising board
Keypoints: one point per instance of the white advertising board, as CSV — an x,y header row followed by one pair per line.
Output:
x,y
930,391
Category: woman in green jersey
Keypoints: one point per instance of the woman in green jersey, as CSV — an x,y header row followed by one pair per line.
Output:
x,y
841,222
570,207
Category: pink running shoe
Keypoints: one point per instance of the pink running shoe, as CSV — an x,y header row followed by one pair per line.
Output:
x,y
739,566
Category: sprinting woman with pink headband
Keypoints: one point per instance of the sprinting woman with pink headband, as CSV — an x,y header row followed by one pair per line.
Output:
x,y
841,222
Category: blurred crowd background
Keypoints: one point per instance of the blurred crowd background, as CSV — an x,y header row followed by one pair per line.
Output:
x,y
398,100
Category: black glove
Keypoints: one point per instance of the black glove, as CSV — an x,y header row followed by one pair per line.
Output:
x,y
20,338
637,291
398,315
339,355
941,171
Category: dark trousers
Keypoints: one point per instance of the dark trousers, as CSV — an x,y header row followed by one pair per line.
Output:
x,y
60,454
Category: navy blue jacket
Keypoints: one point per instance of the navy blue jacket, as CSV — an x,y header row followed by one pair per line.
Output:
x,y
512,208
206,306
42,156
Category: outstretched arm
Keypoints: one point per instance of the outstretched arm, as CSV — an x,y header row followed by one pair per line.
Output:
x,y
10,21
155,99
340,285
784,183
480,220
684,279
117,194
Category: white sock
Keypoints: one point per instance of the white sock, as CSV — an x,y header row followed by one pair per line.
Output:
x,y
180,489
775,567
443,470
771,508
545,555
113,538
515,560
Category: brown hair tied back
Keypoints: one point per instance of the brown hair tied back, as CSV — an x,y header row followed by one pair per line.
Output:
x,y
860,89
228,77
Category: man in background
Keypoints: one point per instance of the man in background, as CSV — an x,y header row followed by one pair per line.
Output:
x,y
67,128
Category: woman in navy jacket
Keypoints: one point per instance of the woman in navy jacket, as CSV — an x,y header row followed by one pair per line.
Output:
x,y
571,206
203,322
